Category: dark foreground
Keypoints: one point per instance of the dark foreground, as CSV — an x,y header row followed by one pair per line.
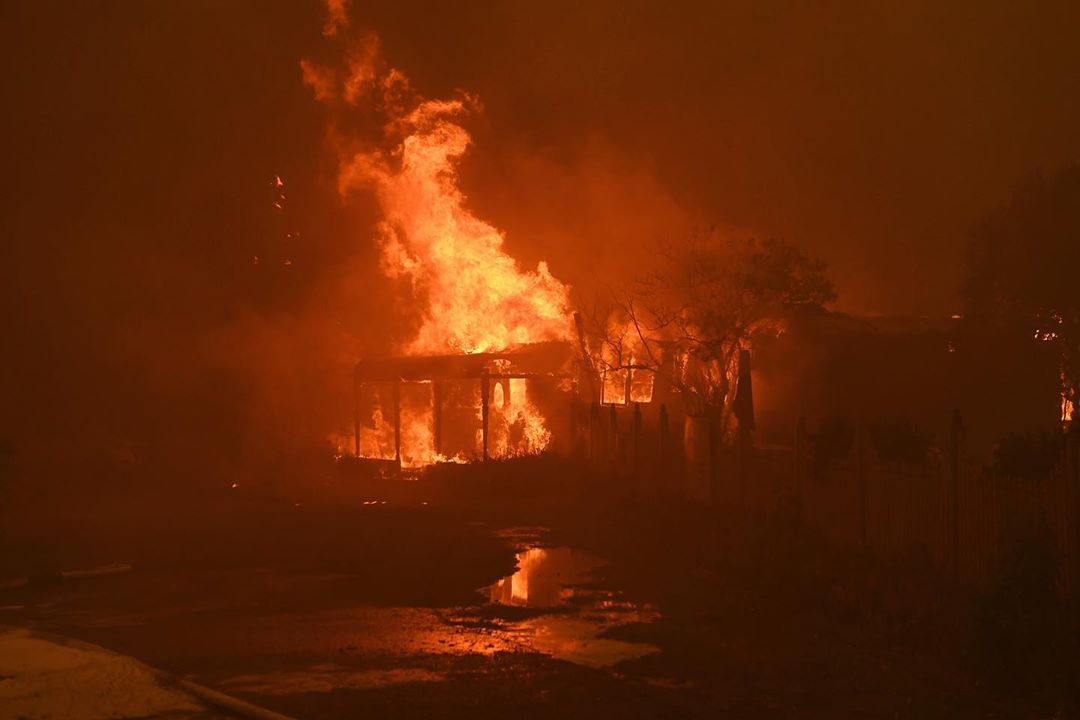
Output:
x,y
406,604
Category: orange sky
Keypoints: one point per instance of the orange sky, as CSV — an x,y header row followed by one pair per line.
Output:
x,y
141,139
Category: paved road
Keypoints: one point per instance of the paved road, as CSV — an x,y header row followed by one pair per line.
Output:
x,y
413,612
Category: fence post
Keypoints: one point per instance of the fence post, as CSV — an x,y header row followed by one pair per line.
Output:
x,y
594,430
397,422
356,415
798,462
575,444
955,432
742,440
861,475
714,458
637,438
436,414
665,445
485,399
613,444
1071,531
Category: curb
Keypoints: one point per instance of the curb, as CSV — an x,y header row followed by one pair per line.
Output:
x,y
222,701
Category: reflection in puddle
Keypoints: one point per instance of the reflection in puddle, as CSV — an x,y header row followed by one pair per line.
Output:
x,y
553,605
553,577
545,577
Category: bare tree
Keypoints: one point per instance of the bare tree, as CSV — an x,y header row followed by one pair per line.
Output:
x,y
708,297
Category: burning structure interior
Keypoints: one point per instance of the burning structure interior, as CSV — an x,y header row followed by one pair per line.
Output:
x,y
411,412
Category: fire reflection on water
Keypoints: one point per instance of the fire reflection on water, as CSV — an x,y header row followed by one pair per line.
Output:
x,y
561,576
569,617
546,577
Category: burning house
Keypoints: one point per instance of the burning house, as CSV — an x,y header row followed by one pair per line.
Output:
x,y
411,412
493,367
415,411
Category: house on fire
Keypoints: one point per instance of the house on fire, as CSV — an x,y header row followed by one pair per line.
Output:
x,y
411,412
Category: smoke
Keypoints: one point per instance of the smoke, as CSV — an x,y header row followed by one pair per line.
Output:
x,y
337,17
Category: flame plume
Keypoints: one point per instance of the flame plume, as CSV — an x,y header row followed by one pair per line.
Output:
x,y
473,296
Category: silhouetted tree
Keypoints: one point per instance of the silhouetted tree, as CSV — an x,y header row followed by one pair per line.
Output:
x,y
1024,269
707,297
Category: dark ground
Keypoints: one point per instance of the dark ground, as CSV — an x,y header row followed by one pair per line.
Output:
x,y
332,608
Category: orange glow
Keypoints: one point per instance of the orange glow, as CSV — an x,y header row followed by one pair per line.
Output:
x,y
614,388
641,385
472,297
478,299
515,427
377,440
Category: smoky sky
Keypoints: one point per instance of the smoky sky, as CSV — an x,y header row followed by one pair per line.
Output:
x,y
141,139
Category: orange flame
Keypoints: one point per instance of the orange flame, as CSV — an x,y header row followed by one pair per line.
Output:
x,y
478,299
515,426
473,296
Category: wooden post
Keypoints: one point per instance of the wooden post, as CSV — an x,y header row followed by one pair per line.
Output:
x,y
572,433
436,414
712,473
955,432
861,474
485,395
743,453
1072,492
594,431
799,463
637,438
665,445
356,415
397,421
613,437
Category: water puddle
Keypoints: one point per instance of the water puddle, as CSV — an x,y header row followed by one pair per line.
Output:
x,y
545,578
563,581
554,604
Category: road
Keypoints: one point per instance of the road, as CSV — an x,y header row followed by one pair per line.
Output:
x,y
581,609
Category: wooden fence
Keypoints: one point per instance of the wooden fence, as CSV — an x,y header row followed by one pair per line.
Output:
x,y
949,508
952,508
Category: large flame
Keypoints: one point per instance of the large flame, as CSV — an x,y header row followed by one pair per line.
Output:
x,y
478,299
472,297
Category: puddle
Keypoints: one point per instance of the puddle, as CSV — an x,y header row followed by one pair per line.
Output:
x,y
563,577
555,604
545,578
